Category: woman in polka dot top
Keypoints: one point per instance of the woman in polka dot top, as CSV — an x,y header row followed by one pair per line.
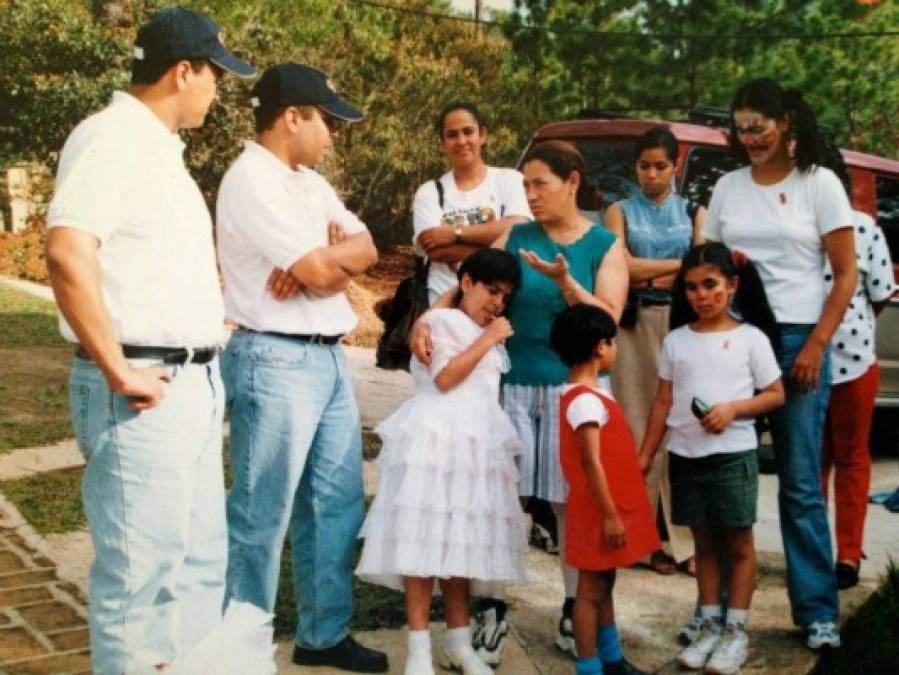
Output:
x,y
856,377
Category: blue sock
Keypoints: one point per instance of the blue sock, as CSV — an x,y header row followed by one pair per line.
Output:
x,y
608,645
591,666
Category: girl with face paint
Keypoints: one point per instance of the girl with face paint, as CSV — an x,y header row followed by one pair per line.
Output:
x,y
711,367
789,213
657,227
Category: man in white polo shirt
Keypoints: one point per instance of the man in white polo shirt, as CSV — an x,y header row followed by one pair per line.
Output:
x,y
295,429
132,264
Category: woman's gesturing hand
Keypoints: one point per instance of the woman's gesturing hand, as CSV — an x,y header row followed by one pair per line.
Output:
x,y
806,369
556,270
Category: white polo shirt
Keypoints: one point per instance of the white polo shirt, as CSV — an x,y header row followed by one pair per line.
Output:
x,y
269,215
122,179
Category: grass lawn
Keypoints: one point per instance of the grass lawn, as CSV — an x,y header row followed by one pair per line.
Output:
x,y
34,387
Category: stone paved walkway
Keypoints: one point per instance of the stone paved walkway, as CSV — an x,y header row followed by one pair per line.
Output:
x,y
43,620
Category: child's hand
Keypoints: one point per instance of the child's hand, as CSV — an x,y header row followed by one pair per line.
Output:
x,y
719,418
498,330
613,531
645,463
420,341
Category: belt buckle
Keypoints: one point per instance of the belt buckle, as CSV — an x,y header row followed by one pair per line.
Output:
x,y
318,339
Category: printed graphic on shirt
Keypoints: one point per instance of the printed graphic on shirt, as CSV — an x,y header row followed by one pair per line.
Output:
x,y
474,216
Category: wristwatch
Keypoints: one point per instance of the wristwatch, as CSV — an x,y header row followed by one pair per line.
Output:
x,y
458,234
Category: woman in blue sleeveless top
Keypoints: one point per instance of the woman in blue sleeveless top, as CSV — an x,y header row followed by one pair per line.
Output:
x,y
658,227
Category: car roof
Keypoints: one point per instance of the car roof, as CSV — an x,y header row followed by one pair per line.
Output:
x,y
685,132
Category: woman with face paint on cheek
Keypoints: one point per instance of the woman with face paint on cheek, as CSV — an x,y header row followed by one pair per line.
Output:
x,y
787,213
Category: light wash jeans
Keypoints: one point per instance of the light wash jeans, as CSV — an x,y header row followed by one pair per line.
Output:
x,y
154,498
797,429
296,452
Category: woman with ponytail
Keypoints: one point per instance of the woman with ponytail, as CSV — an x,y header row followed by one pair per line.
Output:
x,y
711,369
788,213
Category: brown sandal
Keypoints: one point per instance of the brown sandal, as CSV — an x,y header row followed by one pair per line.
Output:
x,y
688,567
662,563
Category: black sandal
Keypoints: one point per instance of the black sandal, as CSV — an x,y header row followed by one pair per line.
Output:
x,y
847,575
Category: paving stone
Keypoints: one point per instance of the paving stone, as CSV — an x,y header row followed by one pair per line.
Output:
x,y
23,596
17,643
49,616
11,562
70,639
63,663
73,590
26,579
4,620
42,561
15,539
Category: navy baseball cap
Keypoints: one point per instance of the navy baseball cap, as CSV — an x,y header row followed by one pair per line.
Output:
x,y
178,33
289,84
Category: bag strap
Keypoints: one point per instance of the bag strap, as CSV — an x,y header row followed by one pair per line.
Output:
x,y
439,185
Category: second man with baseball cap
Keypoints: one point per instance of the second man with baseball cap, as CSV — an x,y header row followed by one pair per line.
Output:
x,y
287,248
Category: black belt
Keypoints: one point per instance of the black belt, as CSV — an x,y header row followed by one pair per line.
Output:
x,y
311,338
175,356
653,302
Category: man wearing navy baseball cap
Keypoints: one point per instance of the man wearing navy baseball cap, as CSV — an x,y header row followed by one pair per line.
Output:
x,y
287,248
132,264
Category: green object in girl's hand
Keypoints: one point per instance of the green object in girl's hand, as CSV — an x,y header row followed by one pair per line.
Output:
x,y
699,407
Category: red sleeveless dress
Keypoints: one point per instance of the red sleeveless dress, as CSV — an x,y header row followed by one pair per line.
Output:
x,y
585,547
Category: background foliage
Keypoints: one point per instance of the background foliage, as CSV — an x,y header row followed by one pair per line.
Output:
x,y
62,58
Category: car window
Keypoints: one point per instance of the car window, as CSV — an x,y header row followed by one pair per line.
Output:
x,y
610,168
705,165
888,212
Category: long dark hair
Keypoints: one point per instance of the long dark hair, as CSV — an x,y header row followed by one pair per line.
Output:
x,y
657,137
766,96
750,300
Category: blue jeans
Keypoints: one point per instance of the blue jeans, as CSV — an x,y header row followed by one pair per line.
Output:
x,y
296,451
155,502
797,429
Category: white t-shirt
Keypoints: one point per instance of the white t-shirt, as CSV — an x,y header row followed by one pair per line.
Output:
x,y
585,409
122,179
781,228
500,194
268,216
852,345
717,368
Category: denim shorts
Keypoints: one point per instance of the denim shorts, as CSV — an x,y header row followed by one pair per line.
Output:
x,y
720,490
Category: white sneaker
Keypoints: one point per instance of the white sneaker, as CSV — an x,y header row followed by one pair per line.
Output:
x,y
565,637
695,656
466,661
730,652
689,630
489,639
823,634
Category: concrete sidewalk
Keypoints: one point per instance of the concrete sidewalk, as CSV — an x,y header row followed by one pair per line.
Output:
x,y
35,571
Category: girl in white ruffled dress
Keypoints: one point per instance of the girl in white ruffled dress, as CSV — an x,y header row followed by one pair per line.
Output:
x,y
447,503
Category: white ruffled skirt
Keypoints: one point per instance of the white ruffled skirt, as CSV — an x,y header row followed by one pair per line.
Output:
x,y
447,501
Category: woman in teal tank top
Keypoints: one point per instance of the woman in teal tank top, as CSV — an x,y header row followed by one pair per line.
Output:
x,y
565,260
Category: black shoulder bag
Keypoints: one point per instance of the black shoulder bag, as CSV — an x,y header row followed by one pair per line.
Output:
x,y
409,301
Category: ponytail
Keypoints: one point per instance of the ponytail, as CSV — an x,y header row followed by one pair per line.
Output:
x,y
766,96
750,300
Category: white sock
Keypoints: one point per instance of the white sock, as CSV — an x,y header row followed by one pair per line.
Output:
x,y
419,641
737,618
711,613
457,638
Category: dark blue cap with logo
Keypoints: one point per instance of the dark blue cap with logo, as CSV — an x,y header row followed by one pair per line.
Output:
x,y
178,33
290,84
